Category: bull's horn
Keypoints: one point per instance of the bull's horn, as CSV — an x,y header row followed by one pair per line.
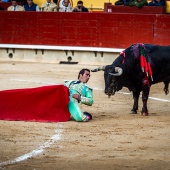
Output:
x,y
101,68
118,71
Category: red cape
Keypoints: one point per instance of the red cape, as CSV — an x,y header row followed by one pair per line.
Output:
x,y
41,104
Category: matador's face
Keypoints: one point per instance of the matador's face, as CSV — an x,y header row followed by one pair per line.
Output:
x,y
85,77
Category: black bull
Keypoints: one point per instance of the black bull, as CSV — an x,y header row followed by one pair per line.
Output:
x,y
127,71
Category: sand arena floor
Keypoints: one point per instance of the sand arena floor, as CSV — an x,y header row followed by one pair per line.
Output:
x,y
113,140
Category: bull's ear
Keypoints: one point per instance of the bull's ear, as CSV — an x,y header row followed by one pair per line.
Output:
x,y
118,71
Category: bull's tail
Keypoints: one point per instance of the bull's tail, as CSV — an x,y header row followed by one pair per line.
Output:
x,y
166,90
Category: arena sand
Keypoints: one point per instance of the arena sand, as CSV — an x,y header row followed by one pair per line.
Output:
x,y
113,140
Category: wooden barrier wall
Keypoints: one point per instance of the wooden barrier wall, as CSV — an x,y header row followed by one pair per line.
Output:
x,y
112,30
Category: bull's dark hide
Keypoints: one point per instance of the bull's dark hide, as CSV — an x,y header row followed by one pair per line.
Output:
x,y
126,71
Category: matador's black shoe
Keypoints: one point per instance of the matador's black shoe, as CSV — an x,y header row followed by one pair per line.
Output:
x,y
88,115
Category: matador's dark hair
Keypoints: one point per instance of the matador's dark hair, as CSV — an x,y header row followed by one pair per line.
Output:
x,y
82,71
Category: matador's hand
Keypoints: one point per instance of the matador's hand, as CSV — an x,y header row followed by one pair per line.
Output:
x,y
76,96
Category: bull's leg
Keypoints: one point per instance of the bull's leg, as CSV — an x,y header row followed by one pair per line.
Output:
x,y
145,94
166,87
135,105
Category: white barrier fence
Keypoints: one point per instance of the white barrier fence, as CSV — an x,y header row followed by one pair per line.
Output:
x,y
58,54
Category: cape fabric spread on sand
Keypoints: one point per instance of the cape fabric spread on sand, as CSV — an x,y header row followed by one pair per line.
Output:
x,y
40,104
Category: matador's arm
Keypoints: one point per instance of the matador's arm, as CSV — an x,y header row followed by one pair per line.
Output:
x,y
88,98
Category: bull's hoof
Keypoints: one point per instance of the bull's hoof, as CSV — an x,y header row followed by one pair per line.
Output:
x,y
144,114
133,112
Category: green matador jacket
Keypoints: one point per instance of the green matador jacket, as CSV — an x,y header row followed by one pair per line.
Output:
x,y
86,94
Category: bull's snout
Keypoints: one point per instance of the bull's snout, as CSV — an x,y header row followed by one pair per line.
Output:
x,y
109,93
106,91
